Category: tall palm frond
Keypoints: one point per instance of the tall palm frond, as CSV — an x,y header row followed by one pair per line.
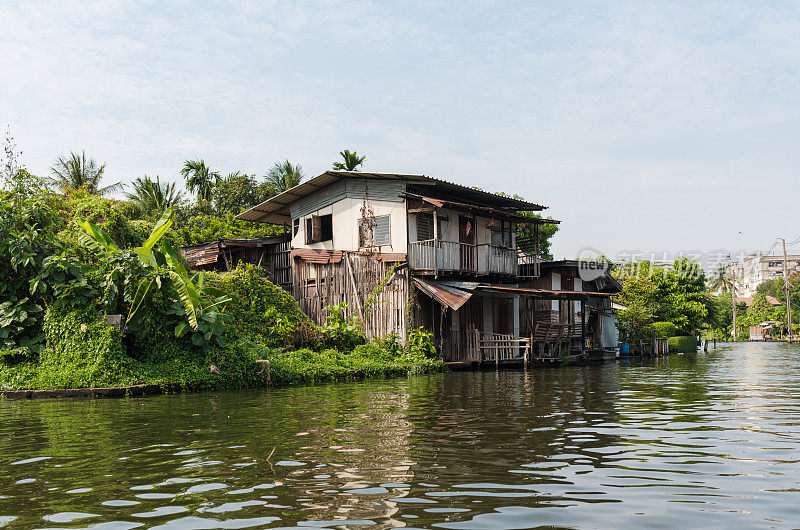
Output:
x,y
282,176
199,178
351,161
723,279
75,172
152,196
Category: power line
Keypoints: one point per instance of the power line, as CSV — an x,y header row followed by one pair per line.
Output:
x,y
770,248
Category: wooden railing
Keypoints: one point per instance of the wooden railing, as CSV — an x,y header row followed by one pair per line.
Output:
x,y
528,265
450,256
501,347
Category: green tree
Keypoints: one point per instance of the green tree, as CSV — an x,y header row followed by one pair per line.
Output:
x,y
683,295
724,280
351,161
529,237
238,192
152,196
639,296
283,176
199,179
75,172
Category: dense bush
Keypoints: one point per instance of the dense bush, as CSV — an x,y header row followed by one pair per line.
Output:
x,y
664,330
683,344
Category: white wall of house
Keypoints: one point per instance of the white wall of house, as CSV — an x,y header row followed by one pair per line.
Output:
x,y
346,214
555,284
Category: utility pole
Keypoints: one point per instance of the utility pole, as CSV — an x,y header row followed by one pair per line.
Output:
x,y
733,302
786,286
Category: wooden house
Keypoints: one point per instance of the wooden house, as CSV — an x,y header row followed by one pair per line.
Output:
x,y
404,251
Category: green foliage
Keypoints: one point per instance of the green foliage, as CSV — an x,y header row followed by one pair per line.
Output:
x,y
309,366
28,225
237,192
75,172
200,228
71,260
638,295
677,294
81,351
199,179
683,344
283,176
341,332
261,309
531,238
420,343
152,197
664,330
350,161
112,216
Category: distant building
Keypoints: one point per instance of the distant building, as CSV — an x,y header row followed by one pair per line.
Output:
x,y
748,300
758,268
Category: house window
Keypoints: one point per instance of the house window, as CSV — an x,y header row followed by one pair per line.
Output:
x,y
374,232
319,228
295,226
424,226
501,234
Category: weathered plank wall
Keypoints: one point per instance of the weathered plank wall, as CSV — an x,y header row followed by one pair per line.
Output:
x,y
355,280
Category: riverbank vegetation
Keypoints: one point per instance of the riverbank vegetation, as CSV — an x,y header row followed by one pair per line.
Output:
x,y
78,266
665,302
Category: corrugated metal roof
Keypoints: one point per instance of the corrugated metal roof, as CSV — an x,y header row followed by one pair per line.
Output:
x,y
444,294
276,209
208,253
321,256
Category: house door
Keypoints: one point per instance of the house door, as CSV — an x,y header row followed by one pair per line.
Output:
x,y
466,236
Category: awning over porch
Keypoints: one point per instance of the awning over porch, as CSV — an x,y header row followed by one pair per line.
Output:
x,y
545,294
447,295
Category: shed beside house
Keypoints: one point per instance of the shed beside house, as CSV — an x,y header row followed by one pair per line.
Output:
x,y
223,255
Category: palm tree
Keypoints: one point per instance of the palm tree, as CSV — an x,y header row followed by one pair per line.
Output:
x,y
199,179
351,161
152,196
75,172
724,280
282,176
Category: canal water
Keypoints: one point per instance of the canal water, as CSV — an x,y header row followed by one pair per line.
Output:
x,y
700,440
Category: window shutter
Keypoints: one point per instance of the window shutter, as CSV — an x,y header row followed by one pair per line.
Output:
x,y
381,231
316,228
424,227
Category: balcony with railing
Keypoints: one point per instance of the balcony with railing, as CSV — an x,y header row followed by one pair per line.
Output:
x,y
436,256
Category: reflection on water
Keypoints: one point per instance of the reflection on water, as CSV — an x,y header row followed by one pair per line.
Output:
x,y
696,440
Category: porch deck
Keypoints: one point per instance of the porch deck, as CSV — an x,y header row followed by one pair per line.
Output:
x,y
436,256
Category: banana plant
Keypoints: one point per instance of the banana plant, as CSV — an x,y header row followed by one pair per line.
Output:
x,y
202,304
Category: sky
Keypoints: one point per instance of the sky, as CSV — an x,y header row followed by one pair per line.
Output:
x,y
659,127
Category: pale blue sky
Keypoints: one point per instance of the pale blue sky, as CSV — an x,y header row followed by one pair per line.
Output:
x,y
643,125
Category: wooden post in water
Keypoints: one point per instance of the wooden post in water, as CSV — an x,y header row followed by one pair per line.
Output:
x,y
478,345
583,327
